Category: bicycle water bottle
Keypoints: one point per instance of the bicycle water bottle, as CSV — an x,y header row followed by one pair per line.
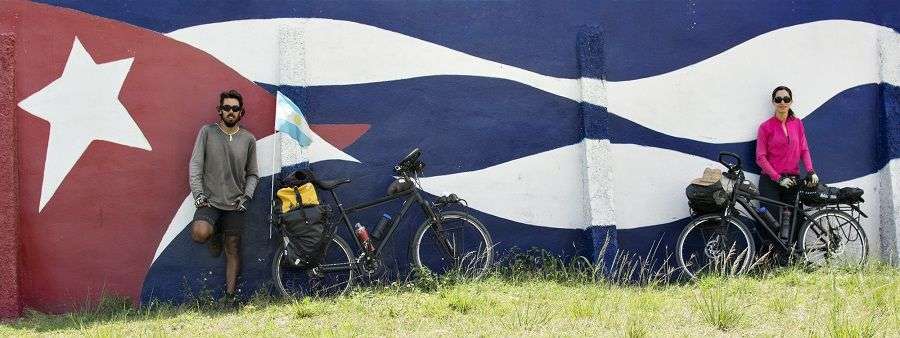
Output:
x,y
785,222
378,232
766,215
363,236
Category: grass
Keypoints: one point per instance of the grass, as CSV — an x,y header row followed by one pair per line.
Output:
x,y
522,300
718,308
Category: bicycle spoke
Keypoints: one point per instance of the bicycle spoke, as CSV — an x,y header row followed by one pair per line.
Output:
x,y
833,237
456,245
713,245
293,281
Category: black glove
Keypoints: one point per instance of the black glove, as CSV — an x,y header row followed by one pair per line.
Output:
x,y
243,201
201,201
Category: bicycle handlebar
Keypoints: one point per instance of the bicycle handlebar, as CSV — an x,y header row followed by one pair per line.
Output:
x,y
731,166
411,157
410,164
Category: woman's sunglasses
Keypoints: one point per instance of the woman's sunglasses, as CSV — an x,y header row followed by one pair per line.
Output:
x,y
236,109
778,99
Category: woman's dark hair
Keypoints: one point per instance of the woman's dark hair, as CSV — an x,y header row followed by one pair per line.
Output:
x,y
790,111
231,94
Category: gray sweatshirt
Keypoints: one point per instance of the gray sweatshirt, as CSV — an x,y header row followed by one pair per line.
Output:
x,y
222,168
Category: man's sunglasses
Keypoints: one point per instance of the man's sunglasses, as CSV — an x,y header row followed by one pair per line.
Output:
x,y
226,107
778,99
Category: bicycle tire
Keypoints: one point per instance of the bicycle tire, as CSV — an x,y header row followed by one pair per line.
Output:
x,y
293,282
718,253
474,261
832,245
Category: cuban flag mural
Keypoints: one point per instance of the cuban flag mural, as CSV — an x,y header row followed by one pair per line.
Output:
x,y
561,124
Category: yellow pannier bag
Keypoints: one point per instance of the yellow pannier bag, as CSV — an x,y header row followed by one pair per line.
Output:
x,y
293,197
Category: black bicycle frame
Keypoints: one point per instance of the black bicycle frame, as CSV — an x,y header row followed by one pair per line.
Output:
x,y
412,196
743,199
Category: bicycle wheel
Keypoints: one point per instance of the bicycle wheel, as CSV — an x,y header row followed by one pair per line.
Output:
x,y
832,237
467,246
710,245
294,282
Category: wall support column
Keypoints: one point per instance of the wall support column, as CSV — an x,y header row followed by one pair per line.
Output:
x,y
889,180
601,232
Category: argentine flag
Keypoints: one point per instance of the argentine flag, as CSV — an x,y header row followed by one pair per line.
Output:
x,y
289,120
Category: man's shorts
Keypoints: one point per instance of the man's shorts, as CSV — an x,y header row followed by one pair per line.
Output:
x,y
230,221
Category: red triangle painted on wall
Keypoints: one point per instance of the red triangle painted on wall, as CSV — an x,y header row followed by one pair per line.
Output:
x,y
340,136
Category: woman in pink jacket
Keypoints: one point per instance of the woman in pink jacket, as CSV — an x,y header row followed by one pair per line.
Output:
x,y
780,146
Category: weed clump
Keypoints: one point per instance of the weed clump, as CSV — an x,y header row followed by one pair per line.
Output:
x,y
718,309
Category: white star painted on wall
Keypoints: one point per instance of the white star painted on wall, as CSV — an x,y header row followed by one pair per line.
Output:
x,y
82,106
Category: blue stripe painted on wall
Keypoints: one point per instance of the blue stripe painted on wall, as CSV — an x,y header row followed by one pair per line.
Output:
x,y
843,134
463,123
656,242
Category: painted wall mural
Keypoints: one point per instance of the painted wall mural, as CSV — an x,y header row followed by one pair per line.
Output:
x,y
110,97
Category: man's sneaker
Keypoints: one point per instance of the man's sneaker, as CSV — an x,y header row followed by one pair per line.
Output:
x,y
215,245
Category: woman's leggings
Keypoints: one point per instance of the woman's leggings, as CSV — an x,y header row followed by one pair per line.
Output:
x,y
772,190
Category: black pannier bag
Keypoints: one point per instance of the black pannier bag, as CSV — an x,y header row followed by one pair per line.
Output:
x,y
307,236
306,227
848,195
824,195
706,199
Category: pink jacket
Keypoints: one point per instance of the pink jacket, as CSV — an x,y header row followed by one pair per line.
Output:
x,y
779,154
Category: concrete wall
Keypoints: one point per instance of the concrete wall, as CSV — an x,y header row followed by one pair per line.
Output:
x,y
10,302
669,125
889,180
571,127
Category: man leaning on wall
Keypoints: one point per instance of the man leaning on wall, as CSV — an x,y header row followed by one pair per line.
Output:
x,y
223,176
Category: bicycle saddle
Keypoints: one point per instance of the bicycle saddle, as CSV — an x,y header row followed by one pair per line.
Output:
x,y
331,184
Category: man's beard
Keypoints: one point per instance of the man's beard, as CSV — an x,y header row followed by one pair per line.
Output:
x,y
232,124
